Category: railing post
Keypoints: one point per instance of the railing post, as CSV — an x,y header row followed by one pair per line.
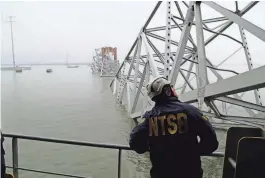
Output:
x,y
119,164
15,157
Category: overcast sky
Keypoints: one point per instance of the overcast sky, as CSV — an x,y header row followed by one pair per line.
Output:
x,y
47,31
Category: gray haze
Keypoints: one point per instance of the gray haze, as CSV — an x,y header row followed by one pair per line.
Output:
x,y
44,32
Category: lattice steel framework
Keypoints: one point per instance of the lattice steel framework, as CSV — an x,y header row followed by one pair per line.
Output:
x,y
105,62
222,93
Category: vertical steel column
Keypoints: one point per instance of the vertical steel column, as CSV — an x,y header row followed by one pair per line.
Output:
x,y
168,41
147,78
249,61
133,59
115,86
188,75
102,65
135,101
182,44
15,157
210,104
122,92
128,96
197,69
202,75
122,84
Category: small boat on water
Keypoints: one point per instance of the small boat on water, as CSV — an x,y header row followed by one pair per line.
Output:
x,y
72,66
18,69
49,70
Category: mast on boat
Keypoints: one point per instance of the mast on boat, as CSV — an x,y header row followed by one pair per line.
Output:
x,y
67,59
12,39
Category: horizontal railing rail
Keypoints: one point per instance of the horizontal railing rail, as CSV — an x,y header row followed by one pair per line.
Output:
x,y
47,172
15,138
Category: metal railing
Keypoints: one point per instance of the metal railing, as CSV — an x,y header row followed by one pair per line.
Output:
x,y
16,168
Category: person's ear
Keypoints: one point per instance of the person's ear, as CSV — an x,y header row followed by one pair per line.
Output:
x,y
174,92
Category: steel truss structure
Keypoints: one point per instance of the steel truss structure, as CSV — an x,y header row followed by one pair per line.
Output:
x,y
226,95
105,62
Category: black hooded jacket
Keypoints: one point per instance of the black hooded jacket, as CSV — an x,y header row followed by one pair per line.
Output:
x,y
3,165
170,133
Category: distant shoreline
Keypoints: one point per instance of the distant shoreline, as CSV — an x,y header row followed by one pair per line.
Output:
x,y
47,64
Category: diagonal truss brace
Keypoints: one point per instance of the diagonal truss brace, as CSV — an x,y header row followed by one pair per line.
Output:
x,y
183,42
242,103
255,30
213,92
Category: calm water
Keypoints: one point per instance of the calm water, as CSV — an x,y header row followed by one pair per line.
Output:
x,y
76,105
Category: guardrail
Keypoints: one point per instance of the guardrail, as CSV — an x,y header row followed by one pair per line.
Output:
x,y
15,166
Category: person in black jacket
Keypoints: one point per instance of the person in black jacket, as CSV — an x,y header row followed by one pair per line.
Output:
x,y
170,133
3,165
